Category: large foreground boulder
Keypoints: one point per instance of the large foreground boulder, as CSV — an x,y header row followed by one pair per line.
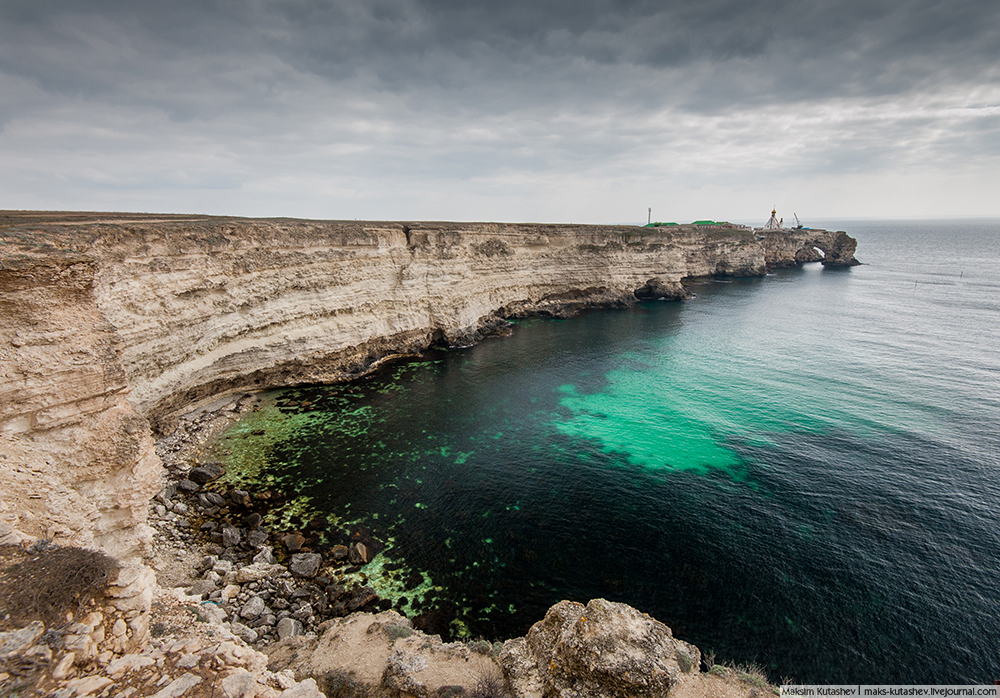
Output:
x,y
601,650
368,654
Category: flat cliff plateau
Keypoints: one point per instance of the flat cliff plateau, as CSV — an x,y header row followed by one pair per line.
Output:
x,y
115,323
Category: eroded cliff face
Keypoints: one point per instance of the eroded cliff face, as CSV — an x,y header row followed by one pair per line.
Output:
x,y
76,457
110,320
249,304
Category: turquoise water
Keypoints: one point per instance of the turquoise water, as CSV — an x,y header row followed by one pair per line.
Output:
x,y
799,470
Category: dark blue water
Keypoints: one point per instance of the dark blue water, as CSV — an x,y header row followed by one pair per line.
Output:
x,y
801,470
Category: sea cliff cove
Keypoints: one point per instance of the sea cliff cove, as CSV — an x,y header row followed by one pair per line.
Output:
x,y
353,458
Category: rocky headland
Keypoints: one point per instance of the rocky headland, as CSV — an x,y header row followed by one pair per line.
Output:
x,y
117,326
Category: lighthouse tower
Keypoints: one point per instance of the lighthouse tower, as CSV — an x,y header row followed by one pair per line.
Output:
x,y
772,222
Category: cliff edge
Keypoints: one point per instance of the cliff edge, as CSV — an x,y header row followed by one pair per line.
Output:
x,y
113,322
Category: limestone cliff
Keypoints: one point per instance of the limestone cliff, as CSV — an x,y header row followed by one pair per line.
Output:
x,y
113,319
76,458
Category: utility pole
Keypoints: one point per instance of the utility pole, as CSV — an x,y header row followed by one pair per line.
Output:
x,y
650,219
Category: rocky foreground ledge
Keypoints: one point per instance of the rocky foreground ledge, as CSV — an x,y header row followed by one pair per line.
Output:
x,y
114,325
598,650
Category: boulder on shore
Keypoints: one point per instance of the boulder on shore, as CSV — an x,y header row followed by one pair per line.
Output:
x,y
203,474
601,650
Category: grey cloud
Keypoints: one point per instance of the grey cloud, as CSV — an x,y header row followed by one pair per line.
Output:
x,y
520,48
226,94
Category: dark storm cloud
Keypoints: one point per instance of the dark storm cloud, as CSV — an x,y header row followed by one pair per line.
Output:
x,y
751,51
284,96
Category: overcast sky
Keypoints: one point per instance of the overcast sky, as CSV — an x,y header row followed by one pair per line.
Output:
x,y
508,110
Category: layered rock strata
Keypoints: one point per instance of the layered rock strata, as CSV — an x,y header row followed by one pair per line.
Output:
x,y
113,322
76,456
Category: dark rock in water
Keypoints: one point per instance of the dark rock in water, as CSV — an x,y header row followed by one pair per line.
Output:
x,y
253,521
187,486
339,553
206,473
305,564
317,524
363,534
435,622
414,580
358,554
361,598
240,498
214,499
293,542
384,604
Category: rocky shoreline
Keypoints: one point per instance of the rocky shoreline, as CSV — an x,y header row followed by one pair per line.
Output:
x,y
266,586
324,638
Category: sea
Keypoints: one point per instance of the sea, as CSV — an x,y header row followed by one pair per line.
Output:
x,y
800,471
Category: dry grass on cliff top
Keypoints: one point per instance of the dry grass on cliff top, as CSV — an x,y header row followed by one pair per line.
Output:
x,y
45,582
